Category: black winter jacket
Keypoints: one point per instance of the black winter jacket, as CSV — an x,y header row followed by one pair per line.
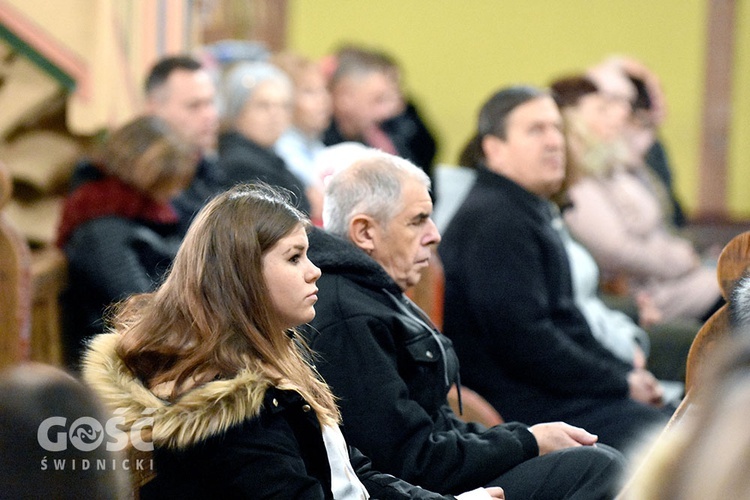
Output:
x,y
231,438
392,371
109,258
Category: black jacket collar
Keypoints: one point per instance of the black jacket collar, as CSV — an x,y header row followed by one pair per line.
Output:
x,y
530,202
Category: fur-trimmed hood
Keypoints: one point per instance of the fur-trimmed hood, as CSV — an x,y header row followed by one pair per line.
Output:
x,y
198,414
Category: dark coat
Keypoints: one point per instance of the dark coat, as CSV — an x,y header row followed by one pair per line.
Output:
x,y
231,438
208,182
333,135
412,138
243,161
407,131
108,258
392,371
509,308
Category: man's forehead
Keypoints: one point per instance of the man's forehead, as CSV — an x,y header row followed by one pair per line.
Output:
x,y
539,109
185,81
415,198
374,81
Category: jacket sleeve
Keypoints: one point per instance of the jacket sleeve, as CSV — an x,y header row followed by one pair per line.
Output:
x,y
359,359
385,486
518,323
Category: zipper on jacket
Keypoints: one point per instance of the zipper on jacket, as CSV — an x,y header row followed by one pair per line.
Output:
x,y
412,310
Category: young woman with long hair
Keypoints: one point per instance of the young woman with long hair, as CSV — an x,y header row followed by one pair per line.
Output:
x,y
213,358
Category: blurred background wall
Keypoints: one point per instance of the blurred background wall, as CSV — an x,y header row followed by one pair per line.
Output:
x,y
456,53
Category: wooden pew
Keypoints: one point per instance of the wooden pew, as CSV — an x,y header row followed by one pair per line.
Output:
x,y
48,277
15,284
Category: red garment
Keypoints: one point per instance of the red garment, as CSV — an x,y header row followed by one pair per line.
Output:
x,y
376,138
106,197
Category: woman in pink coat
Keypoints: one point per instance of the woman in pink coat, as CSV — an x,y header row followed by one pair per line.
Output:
x,y
617,208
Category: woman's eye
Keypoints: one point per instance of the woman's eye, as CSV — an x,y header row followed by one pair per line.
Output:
x,y
295,258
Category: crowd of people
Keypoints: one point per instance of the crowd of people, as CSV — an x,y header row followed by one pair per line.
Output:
x,y
240,258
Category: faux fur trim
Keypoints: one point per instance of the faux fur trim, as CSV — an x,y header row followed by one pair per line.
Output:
x,y
197,415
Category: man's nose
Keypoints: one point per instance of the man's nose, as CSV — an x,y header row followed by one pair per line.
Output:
x,y
432,236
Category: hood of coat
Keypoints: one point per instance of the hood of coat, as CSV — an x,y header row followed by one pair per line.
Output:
x,y
200,413
335,255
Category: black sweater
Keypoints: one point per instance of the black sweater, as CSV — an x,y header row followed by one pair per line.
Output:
x,y
242,160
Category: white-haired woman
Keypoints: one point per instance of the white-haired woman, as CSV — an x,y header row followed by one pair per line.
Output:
x,y
257,102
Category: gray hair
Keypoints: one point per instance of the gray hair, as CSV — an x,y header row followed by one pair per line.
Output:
x,y
242,80
371,186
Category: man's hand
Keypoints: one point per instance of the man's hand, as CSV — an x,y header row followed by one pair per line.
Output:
x,y
645,388
496,492
491,493
558,435
639,357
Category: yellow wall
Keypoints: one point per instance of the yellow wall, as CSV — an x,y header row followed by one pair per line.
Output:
x,y
456,54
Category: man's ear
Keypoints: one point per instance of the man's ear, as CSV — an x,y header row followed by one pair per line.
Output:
x,y
492,147
362,232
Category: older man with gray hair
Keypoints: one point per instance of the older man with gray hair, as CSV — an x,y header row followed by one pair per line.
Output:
x,y
391,368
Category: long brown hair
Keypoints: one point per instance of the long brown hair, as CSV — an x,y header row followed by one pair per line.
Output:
x,y
213,317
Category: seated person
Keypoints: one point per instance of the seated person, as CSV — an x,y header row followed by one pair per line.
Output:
x,y
180,91
257,110
405,126
614,329
369,106
118,229
213,357
509,305
52,464
648,113
616,211
301,143
391,370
